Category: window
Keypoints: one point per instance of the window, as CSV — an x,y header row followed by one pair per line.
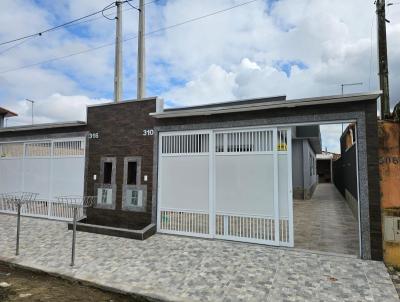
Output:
x,y
132,173
134,198
104,196
107,176
133,192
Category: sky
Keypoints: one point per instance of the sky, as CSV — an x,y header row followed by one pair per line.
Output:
x,y
297,48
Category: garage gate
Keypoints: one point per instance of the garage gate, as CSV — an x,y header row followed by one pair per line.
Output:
x,y
230,184
50,168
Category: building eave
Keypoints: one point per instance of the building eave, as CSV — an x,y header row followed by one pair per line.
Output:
x,y
42,126
325,100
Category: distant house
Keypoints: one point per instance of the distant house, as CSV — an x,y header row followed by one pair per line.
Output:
x,y
306,146
4,113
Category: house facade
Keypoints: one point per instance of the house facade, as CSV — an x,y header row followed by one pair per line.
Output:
x,y
224,171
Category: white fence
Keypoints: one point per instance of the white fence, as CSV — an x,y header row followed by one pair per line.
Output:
x,y
42,208
49,168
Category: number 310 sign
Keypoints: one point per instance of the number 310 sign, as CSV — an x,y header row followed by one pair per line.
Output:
x,y
148,132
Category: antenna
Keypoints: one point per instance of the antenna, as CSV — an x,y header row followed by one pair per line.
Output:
x,y
350,84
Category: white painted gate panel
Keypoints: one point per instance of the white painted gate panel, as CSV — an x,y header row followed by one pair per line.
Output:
x,y
50,168
238,188
184,184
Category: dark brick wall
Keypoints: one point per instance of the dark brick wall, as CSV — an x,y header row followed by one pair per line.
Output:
x,y
373,181
345,172
120,128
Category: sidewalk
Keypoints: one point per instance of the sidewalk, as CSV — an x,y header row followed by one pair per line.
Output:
x,y
173,268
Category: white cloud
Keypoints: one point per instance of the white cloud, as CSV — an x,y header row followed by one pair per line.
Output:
x,y
54,108
232,55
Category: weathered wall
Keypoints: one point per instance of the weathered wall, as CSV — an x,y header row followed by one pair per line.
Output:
x,y
120,129
389,170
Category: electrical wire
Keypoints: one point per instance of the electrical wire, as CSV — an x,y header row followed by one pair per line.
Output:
x,y
130,38
14,46
59,26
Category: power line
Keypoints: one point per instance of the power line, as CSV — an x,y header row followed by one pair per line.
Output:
x,y
108,7
14,46
130,38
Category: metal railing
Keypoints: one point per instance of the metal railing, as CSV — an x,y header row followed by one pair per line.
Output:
x,y
18,199
55,209
78,204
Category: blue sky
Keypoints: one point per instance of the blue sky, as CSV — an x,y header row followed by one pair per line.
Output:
x,y
299,48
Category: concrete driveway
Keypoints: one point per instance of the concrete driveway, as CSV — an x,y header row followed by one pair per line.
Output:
x,y
173,268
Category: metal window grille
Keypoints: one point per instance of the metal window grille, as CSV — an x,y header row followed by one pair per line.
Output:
x,y
282,140
244,141
185,144
68,148
41,149
12,150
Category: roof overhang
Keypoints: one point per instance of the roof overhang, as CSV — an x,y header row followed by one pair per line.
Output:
x,y
325,100
42,126
7,113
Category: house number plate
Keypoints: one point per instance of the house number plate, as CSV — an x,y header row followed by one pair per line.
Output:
x,y
148,132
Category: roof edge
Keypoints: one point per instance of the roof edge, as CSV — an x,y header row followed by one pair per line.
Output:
x,y
152,98
42,126
269,105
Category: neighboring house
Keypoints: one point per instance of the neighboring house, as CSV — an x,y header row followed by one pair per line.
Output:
x,y
306,145
324,166
4,113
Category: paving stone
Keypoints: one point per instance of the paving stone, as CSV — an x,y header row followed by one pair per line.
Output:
x,y
179,268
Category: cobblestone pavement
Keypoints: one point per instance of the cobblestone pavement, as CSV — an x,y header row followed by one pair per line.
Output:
x,y
174,268
395,274
325,223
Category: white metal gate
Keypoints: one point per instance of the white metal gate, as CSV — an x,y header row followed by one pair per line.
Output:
x,y
50,168
231,184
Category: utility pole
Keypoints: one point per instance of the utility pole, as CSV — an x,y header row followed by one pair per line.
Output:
x,y
32,102
118,54
383,59
141,77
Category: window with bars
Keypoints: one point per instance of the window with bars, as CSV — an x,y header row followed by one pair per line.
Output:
x,y
11,150
185,144
68,148
282,140
244,141
41,149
